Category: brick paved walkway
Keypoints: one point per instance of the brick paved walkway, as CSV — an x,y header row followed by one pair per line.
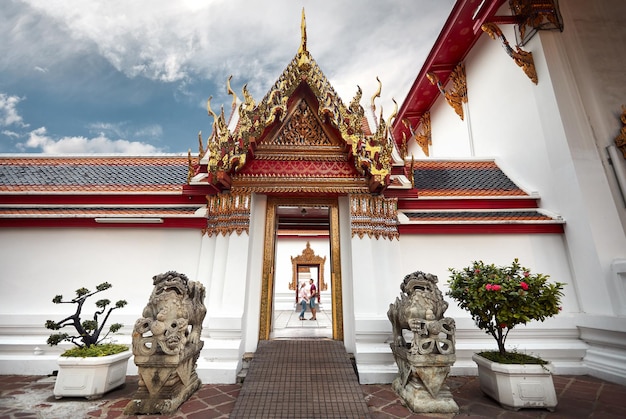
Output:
x,y
312,378
30,397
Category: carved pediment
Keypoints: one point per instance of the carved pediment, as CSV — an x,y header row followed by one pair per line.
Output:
x,y
301,129
302,136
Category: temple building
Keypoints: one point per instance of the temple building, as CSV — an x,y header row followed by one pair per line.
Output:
x,y
511,143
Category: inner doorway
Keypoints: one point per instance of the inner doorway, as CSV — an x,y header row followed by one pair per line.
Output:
x,y
301,260
294,222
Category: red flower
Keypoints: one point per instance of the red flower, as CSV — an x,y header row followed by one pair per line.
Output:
x,y
526,273
496,287
488,287
524,285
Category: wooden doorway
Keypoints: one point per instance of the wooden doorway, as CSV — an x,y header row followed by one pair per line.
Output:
x,y
269,260
307,266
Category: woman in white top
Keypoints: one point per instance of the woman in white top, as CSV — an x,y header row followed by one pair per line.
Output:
x,y
303,298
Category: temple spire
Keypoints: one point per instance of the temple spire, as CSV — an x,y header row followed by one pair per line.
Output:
x,y
302,49
304,60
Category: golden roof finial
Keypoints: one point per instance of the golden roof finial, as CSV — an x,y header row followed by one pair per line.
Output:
x,y
373,104
304,61
302,48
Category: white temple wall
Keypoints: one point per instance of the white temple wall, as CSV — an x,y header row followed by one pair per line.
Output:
x,y
254,278
127,258
34,274
556,339
347,274
540,136
436,254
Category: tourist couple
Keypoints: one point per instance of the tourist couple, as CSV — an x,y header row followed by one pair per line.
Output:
x,y
308,295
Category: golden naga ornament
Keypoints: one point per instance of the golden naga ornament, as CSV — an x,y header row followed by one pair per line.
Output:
x,y
423,136
620,140
523,59
457,95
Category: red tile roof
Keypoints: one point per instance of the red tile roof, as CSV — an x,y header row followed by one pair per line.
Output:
x,y
449,196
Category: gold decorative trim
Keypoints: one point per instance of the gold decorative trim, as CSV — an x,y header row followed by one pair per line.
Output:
x,y
620,140
335,273
308,258
403,148
375,216
282,156
267,281
535,15
456,96
523,59
267,284
228,212
423,137
193,166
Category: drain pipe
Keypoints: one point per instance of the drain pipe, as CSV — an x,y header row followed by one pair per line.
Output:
x,y
615,160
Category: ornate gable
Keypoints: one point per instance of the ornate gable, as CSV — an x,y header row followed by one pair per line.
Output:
x,y
300,154
299,138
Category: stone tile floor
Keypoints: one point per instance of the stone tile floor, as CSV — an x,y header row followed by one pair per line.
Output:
x,y
30,397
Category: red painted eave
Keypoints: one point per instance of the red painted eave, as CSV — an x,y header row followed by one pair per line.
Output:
x,y
481,229
76,222
101,199
456,39
478,203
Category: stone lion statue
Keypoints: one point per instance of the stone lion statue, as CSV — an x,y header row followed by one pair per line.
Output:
x,y
424,362
173,316
167,344
420,300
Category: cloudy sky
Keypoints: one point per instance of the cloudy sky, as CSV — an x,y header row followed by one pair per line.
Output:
x,y
133,77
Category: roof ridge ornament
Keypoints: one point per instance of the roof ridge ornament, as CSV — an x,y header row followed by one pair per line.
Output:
x,y
304,58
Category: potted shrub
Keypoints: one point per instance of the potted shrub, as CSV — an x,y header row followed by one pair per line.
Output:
x,y
498,299
92,367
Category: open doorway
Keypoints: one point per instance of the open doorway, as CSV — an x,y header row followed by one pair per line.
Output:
x,y
307,267
301,244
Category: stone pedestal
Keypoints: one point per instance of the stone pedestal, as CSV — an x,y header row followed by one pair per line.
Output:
x,y
421,381
165,382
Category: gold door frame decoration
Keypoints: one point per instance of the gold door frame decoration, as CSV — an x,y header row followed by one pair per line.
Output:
x,y
308,258
269,256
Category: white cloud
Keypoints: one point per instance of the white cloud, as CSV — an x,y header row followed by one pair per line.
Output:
x,y
199,43
175,41
39,139
11,134
8,111
127,130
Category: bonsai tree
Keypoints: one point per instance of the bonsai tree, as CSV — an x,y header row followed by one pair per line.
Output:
x,y
87,332
501,297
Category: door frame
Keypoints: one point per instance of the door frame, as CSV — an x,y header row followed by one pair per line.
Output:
x,y
269,260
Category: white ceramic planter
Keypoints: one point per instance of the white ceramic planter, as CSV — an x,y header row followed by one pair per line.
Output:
x,y
517,386
90,377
